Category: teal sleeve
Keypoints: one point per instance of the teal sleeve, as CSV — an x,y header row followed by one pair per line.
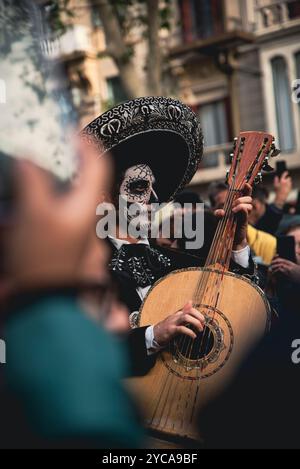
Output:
x,y
67,372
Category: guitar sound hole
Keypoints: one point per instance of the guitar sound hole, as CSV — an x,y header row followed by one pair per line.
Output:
x,y
195,349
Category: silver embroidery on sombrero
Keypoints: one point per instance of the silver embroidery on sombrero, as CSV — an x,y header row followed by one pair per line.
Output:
x,y
149,113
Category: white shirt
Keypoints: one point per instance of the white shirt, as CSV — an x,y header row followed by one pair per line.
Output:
x,y
241,257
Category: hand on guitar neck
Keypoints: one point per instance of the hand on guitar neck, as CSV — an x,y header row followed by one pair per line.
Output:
x,y
242,208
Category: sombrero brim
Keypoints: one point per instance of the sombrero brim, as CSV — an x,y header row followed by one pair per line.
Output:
x,y
161,132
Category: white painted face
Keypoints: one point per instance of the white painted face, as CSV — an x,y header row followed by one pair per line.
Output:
x,y
137,184
137,187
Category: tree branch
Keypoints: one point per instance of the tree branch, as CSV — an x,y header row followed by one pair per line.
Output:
x,y
119,50
154,55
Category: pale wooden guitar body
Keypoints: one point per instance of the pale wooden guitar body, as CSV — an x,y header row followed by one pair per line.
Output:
x,y
174,391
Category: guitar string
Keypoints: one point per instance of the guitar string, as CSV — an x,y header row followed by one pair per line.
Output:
x,y
224,246
200,369
222,223
231,230
214,251
202,283
219,227
197,379
215,256
219,280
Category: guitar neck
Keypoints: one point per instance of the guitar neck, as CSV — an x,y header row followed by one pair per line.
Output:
x,y
251,153
221,247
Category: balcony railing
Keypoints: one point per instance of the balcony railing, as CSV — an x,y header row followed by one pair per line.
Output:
x,y
76,39
276,14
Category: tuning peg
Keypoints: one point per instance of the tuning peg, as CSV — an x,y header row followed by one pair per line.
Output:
x,y
266,167
258,178
274,151
227,176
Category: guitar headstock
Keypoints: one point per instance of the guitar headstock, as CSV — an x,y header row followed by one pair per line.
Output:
x,y
251,153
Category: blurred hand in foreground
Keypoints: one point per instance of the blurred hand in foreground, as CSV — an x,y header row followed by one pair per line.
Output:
x,y
52,232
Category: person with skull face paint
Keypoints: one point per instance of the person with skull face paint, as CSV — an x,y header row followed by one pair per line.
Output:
x,y
156,144
137,188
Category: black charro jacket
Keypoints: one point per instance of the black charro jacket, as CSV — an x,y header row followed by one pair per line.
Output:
x,y
126,287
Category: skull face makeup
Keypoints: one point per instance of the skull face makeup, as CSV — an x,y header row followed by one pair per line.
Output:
x,y
136,188
137,184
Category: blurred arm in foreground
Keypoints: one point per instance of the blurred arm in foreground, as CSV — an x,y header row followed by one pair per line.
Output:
x,y
60,388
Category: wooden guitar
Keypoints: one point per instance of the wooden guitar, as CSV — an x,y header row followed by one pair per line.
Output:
x,y
190,372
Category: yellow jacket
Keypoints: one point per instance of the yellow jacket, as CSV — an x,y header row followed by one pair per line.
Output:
x,y
262,244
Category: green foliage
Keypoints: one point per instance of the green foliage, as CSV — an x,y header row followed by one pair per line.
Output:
x,y
165,15
127,56
56,11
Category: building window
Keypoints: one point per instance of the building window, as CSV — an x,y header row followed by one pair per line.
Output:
x,y
68,114
293,9
213,119
95,17
297,60
201,19
116,92
283,104
48,14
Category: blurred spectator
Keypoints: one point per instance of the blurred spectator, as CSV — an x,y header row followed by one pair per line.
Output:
x,y
265,393
217,193
286,222
210,221
287,276
59,389
178,240
264,216
262,244
260,408
188,197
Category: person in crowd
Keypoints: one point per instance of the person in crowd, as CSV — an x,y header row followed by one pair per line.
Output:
x,y
176,238
217,193
264,216
262,244
140,135
286,275
262,402
58,389
260,408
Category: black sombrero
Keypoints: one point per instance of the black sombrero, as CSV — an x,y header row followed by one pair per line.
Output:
x,y
161,132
